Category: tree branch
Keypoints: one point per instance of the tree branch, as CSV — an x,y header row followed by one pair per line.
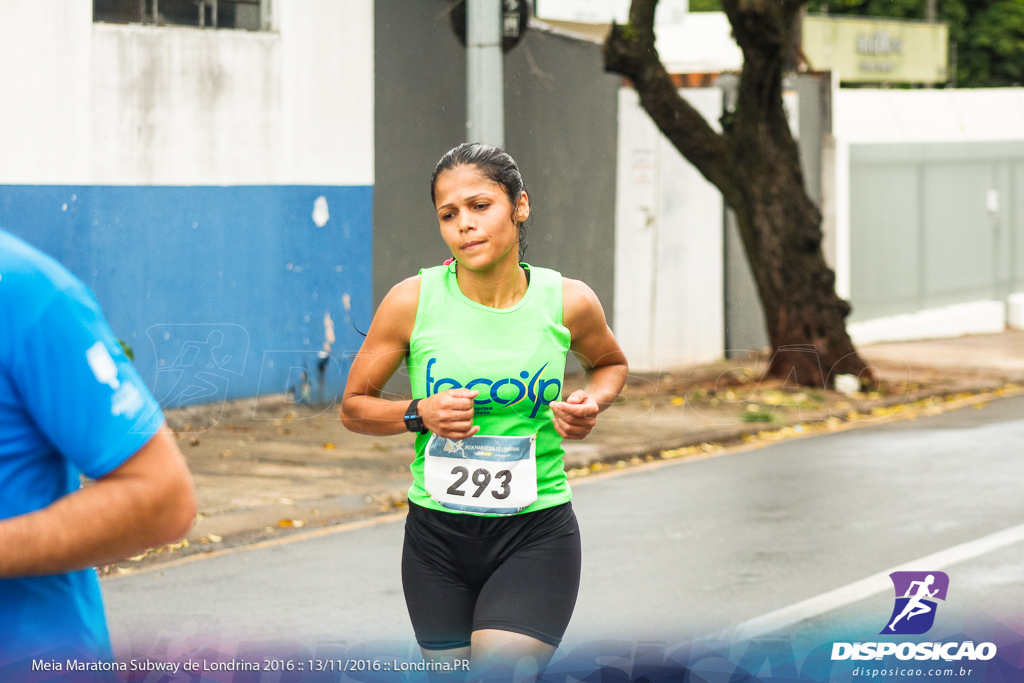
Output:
x,y
629,50
764,31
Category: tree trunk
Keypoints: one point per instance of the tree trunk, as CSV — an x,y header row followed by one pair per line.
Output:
x,y
755,163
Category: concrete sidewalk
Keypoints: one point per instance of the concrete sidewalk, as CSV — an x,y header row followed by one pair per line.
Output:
x,y
267,467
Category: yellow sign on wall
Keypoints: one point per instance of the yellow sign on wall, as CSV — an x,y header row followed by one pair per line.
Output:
x,y
870,51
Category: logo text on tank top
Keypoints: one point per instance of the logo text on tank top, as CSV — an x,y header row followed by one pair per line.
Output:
x,y
501,392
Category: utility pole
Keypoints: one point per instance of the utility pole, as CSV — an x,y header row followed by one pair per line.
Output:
x,y
485,82
930,12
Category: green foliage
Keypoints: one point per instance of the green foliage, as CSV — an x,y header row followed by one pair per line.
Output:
x,y
989,34
705,5
128,352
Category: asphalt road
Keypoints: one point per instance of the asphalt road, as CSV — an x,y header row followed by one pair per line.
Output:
x,y
672,551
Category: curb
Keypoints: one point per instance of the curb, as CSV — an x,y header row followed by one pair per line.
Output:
x,y
753,438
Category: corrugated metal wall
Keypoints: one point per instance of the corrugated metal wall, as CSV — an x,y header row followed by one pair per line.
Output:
x,y
929,210
933,225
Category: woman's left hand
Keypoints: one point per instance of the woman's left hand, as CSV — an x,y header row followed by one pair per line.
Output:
x,y
576,415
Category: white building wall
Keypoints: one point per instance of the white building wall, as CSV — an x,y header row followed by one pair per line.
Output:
x,y
669,260
863,115
199,180
178,106
327,90
606,11
131,104
45,81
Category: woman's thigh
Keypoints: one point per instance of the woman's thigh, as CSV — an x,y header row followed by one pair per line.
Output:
x,y
533,591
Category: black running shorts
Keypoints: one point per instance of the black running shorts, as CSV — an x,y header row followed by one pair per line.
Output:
x,y
463,573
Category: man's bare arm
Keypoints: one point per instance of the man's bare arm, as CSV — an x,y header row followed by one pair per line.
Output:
x,y
148,501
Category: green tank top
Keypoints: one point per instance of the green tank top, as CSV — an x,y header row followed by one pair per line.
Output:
x,y
515,358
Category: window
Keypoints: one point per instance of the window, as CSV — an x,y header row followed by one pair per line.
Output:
x,y
251,15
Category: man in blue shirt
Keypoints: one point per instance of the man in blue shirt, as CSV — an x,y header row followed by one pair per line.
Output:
x,y
71,403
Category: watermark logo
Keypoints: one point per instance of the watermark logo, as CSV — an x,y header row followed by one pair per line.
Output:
x,y
196,363
916,596
913,614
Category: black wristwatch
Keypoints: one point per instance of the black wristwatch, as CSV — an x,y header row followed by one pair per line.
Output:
x,y
413,421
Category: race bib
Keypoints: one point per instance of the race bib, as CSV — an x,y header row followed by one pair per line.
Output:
x,y
482,474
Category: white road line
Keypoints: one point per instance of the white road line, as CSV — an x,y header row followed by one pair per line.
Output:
x,y
872,585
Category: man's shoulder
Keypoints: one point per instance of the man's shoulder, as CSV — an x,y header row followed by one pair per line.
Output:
x,y
32,285
30,280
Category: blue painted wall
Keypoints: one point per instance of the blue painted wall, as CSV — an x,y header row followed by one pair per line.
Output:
x,y
220,291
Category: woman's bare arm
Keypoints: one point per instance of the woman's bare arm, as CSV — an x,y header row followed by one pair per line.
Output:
x,y
364,410
600,355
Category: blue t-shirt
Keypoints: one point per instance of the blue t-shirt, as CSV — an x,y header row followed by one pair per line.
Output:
x,y
70,403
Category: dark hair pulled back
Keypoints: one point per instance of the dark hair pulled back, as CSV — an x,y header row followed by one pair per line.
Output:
x,y
497,165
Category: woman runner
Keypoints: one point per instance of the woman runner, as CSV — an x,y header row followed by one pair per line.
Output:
x,y
491,560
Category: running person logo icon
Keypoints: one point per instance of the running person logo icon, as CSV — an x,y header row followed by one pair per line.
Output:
x,y
451,446
196,363
916,593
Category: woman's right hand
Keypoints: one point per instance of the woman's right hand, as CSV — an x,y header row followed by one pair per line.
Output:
x,y
450,413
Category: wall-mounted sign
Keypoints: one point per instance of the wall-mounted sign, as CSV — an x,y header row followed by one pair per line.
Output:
x,y
869,51
515,15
